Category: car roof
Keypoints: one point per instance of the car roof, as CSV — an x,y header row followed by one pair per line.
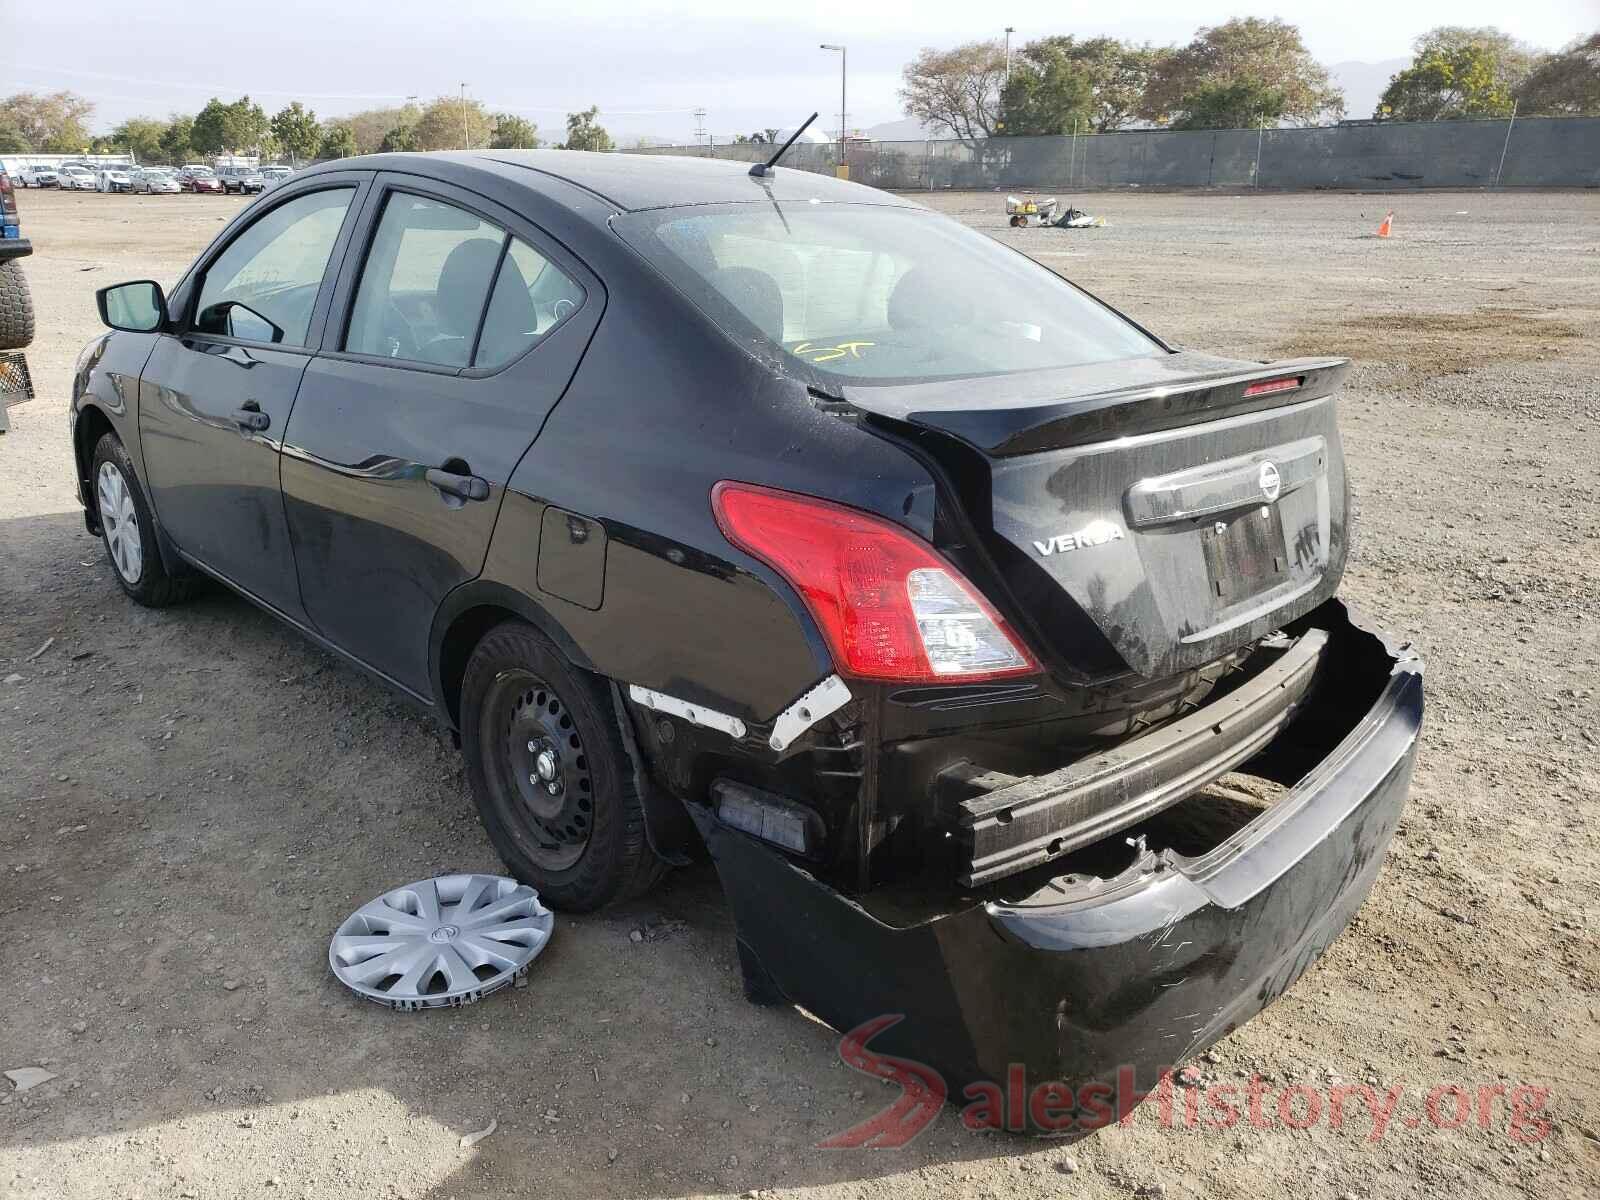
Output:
x,y
631,182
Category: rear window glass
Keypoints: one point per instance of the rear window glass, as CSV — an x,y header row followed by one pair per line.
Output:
x,y
878,294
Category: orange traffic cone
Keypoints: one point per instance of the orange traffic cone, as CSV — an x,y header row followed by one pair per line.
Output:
x,y
1388,220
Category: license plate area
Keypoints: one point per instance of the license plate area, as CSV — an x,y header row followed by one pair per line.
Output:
x,y
1245,554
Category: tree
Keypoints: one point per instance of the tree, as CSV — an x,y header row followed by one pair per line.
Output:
x,y
373,125
1513,61
1265,54
398,139
1048,92
957,89
1242,105
245,126
11,139
1458,72
209,134
1566,84
1447,85
450,123
1116,72
584,132
57,123
338,142
512,132
140,136
177,140
297,131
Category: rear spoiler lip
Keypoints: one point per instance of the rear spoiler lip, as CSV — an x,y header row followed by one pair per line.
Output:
x,y
1214,390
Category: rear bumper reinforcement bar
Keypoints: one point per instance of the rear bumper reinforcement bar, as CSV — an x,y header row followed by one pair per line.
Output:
x,y
1014,823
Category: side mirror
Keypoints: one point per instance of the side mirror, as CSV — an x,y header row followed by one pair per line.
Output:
x,y
138,307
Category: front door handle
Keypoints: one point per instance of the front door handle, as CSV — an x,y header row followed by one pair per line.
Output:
x,y
463,487
251,417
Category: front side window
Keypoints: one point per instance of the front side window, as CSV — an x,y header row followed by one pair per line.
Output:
x,y
877,293
264,285
445,287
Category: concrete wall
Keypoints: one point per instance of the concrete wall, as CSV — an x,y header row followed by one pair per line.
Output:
x,y
1541,152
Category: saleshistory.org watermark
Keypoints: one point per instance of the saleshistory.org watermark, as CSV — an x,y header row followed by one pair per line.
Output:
x,y
1019,1105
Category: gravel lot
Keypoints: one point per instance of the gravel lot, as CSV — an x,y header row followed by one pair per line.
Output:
x,y
191,800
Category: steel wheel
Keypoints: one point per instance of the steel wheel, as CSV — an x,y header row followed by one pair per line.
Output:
x,y
544,766
121,524
441,942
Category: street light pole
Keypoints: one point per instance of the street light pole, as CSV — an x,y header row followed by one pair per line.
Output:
x,y
844,110
1010,29
466,138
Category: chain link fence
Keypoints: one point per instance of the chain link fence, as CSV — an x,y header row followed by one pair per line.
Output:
x,y
1530,152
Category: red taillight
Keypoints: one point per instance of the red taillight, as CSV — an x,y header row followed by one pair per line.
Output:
x,y
1268,386
5,183
889,606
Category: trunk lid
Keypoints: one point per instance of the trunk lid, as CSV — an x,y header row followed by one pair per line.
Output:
x,y
1151,514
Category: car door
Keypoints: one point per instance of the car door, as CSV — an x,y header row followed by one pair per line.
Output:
x,y
455,331
215,396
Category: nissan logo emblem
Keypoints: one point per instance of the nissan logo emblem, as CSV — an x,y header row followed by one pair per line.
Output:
x,y
1270,483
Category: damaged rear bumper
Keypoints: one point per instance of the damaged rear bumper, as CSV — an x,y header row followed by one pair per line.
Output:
x,y
1082,979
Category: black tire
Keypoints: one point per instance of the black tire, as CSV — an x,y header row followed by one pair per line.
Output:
x,y
152,585
16,307
519,692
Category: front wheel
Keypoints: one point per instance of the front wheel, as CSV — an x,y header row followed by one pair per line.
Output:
x,y
128,530
552,779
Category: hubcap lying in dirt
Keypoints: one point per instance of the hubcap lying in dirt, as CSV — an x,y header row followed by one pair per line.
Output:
x,y
441,943
121,523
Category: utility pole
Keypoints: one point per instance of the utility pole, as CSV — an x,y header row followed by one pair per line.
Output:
x,y
466,138
700,125
1010,29
844,109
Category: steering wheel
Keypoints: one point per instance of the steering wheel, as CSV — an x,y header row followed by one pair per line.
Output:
x,y
397,332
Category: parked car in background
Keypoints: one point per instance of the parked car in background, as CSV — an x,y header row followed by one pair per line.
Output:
x,y
197,177
77,177
930,626
40,177
270,176
113,179
244,180
156,181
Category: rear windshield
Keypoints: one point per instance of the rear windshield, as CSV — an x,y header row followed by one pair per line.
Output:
x,y
878,294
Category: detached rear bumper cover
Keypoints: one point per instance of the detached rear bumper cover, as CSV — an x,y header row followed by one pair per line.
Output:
x,y
1077,982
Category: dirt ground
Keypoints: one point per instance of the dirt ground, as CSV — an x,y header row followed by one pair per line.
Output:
x,y
191,800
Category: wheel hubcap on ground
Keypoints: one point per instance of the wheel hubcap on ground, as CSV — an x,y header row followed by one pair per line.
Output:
x,y
441,942
121,523
550,780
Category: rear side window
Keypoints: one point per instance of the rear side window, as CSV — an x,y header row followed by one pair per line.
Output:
x,y
425,282
268,277
878,293
531,297
443,286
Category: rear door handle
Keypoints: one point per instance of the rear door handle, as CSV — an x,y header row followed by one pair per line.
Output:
x,y
463,487
252,418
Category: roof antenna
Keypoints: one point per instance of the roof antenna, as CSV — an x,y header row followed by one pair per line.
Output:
x,y
765,168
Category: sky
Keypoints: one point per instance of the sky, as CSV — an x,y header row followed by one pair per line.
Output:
x,y
647,63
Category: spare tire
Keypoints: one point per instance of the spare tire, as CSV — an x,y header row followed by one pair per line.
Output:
x,y
16,308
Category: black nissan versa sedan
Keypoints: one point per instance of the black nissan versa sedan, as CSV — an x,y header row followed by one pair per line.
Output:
x,y
986,643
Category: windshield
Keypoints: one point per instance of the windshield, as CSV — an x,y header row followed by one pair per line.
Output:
x,y
879,294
